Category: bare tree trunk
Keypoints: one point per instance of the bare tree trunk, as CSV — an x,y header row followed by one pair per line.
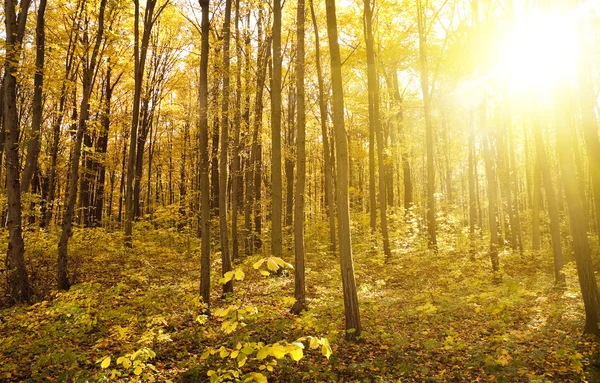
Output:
x,y
551,199
89,72
204,160
375,123
583,258
351,310
235,163
327,159
18,281
276,192
492,189
422,26
33,149
471,175
223,178
299,278
140,54
537,194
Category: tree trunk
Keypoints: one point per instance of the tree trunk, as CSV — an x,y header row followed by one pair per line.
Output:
x,y
18,281
351,310
276,192
236,162
535,205
299,278
139,65
33,149
492,189
327,159
422,27
89,73
223,178
583,259
375,123
204,160
551,199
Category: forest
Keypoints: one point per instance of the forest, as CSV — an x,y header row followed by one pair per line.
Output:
x,y
299,191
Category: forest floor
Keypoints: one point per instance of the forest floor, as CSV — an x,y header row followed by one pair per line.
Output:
x,y
426,317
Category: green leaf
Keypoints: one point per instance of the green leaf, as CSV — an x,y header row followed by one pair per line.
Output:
x,y
247,349
259,378
241,359
262,353
105,362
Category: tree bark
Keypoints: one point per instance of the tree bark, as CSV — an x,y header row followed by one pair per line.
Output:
x,y
351,310
327,159
88,85
551,199
583,258
18,281
204,160
375,123
33,149
276,192
422,28
299,278
224,158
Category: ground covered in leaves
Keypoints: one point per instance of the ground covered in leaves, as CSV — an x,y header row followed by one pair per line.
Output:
x,y
134,316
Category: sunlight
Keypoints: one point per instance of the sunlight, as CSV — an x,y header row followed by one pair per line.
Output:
x,y
539,52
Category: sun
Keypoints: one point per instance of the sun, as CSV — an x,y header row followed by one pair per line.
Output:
x,y
540,52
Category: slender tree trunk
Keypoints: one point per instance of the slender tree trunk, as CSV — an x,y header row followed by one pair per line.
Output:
x,y
18,281
471,175
33,149
492,189
351,310
204,160
276,192
587,100
422,27
88,85
223,178
375,123
537,194
583,259
140,54
299,278
551,199
327,159
235,163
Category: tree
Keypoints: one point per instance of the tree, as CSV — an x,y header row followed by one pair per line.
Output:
x,y
140,53
424,71
375,123
351,311
90,65
224,162
299,279
327,158
15,23
579,230
276,214
33,149
204,161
